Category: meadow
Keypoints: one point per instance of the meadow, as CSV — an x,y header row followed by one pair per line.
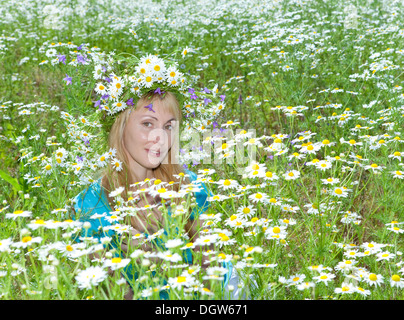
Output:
x,y
312,91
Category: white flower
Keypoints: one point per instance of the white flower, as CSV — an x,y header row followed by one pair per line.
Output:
x,y
116,263
291,175
116,192
173,243
92,276
18,213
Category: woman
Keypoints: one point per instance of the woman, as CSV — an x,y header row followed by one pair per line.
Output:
x,y
144,137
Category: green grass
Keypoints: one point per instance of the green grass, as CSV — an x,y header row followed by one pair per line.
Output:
x,y
242,48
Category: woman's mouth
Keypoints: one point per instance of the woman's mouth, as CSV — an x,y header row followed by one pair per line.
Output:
x,y
153,153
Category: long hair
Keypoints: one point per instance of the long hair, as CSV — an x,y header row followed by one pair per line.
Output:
x,y
112,179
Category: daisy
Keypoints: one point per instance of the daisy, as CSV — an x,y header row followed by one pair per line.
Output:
x,y
247,211
323,165
235,221
385,255
345,265
324,277
100,88
116,86
398,174
5,245
116,164
296,279
291,175
206,240
268,175
92,276
339,192
169,256
362,291
184,280
116,263
396,281
258,197
374,279
19,213
227,184
396,229
173,243
330,180
345,288
275,231
305,285
27,241
224,240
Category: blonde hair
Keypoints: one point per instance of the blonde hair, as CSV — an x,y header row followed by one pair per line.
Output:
x,y
112,179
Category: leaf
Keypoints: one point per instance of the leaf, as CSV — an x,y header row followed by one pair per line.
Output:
x,y
11,180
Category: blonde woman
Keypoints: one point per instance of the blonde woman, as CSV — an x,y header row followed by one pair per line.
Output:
x,y
144,137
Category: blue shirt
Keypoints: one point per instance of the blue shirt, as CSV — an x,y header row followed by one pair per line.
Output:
x,y
93,200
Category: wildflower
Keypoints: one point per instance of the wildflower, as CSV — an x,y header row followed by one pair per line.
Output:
x,y
319,268
173,243
5,245
206,240
26,241
362,291
227,184
330,180
250,250
374,279
116,263
339,192
92,276
305,285
19,213
324,277
385,255
184,280
295,279
323,165
68,80
169,256
116,192
117,164
235,221
398,174
291,175
346,288
258,197
396,281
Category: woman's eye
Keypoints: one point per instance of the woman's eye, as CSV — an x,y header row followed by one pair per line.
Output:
x,y
147,124
169,127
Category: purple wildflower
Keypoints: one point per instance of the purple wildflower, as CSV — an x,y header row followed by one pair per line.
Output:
x,y
130,102
68,80
150,107
222,97
62,58
207,101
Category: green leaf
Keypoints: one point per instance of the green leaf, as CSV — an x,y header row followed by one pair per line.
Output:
x,y
11,180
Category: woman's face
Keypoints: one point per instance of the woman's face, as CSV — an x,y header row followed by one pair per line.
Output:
x,y
147,137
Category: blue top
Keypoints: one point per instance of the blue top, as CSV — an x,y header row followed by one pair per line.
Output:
x,y
93,200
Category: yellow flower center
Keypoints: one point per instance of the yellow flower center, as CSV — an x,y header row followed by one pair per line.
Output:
x,y
26,239
396,278
372,277
276,230
116,260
